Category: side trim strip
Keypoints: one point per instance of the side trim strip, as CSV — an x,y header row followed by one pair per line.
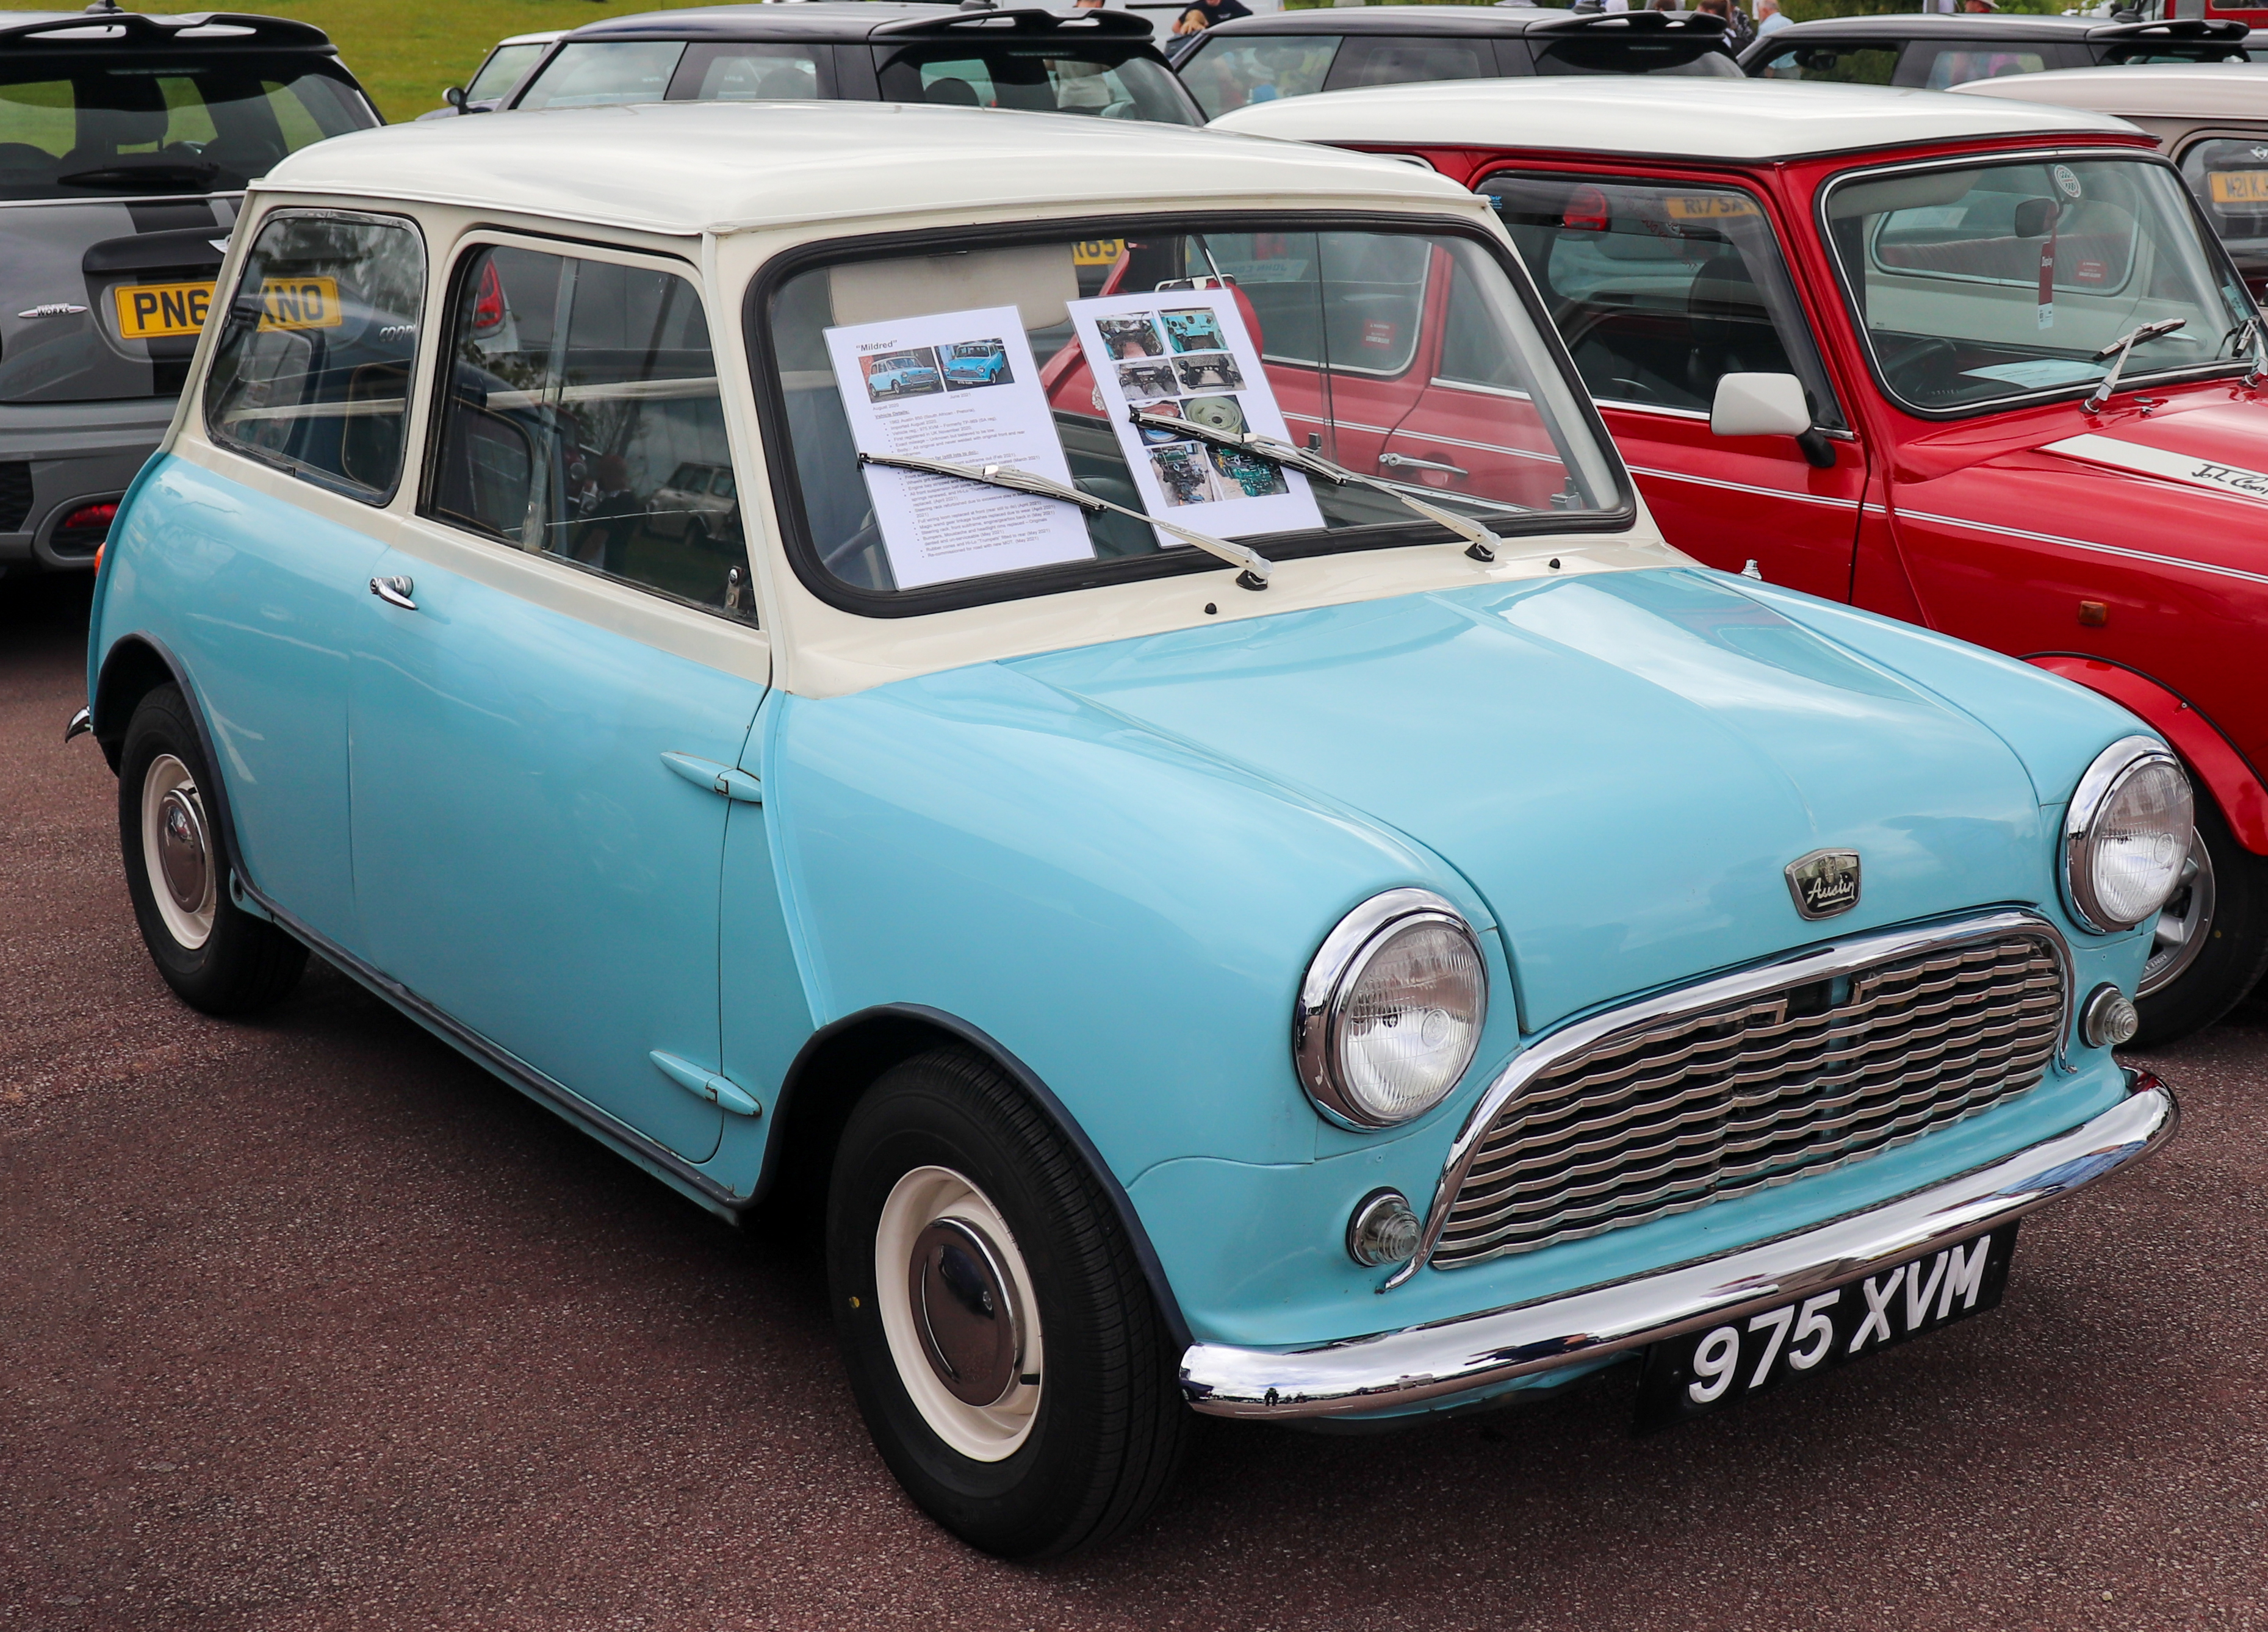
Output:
x,y
2104,549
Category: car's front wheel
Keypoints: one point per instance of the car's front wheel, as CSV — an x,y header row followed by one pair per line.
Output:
x,y
2211,943
1002,1342
216,956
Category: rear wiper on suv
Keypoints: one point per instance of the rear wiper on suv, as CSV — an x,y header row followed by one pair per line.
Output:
x,y
127,173
1480,543
1256,566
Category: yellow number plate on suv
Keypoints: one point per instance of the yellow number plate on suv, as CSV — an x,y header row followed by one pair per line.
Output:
x,y
159,311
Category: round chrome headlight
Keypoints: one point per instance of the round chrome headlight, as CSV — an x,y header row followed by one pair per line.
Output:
x,y
2127,834
1391,1010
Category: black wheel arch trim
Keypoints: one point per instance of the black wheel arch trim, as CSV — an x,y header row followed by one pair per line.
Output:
x,y
804,1075
2175,692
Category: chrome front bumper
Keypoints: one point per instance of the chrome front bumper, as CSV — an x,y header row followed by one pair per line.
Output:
x,y
1392,1371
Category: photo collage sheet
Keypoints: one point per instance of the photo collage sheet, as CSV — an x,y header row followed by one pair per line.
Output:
x,y
1185,354
961,387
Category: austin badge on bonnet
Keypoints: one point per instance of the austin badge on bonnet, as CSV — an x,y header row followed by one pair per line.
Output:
x,y
1824,882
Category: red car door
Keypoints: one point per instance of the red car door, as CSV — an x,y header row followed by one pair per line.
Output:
x,y
1660,288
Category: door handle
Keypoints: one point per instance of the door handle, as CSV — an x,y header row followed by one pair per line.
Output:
x,y
1403,461
734,784
395,592
719,1091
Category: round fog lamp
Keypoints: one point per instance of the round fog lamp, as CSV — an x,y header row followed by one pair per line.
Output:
x,y
1383,1229
2108,1020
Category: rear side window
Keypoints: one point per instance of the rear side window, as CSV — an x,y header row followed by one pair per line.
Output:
x,y
131,128
1046,79
580,419
1938,67
604,73
312,364
1833,64
1388,60
1660,291
1233,71
755,72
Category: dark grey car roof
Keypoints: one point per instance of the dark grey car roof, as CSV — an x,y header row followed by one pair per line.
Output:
x,y
1493,20
851,20
25,33
1964,25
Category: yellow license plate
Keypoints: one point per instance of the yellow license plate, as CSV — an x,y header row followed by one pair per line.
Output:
x,y
159,311
2238,187
1709,206
300,303
1098,251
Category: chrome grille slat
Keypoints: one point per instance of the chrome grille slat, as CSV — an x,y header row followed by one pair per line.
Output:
x,y
1665,1116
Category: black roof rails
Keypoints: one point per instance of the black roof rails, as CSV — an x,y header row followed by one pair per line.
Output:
x,y
1636,22
1020,20
133,30
2174,28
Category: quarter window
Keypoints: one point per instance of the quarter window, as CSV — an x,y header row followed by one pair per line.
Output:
x,y
580,419
1232,72
1661,290
1368,60
312,364
1949,68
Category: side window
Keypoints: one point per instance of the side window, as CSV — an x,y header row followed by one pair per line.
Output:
x,y
1371,60
1937,68
1842,65
1660,291
1231,72
580,419
755,73
1349,303
312,368
598,73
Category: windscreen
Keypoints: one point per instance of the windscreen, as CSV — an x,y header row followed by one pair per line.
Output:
x,y
2001,281
502,72
153,125
1095,80
1406,359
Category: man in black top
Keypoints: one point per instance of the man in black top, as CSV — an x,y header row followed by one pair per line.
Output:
x,y
1203,14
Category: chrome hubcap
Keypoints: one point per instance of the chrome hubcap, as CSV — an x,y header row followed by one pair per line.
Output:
x,y
965,1310
181,856
2184,926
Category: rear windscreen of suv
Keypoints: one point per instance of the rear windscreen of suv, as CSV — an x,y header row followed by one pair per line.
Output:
x,y
125,127
1638,56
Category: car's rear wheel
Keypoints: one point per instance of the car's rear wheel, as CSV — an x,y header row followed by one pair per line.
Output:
x,y
216,956
2211,943
1002,1342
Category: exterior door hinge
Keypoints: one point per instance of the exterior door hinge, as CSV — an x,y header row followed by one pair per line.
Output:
x,y
724,779
719,1091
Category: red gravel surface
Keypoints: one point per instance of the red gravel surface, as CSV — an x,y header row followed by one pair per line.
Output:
x,y
308,1323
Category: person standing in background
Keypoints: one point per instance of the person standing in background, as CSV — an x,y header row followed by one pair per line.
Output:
x,y
1203,14
1769,18
1738,30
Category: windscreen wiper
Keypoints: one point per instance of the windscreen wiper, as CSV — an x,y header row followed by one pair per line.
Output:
x,y
1480,543
2119,349
1255,566
2249,334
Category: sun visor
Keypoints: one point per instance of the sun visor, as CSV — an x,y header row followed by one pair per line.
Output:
x,y
1039,280
1923,192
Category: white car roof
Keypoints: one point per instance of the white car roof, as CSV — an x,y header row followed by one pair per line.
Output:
x,y
687,168
1655,115
542,36
2143,90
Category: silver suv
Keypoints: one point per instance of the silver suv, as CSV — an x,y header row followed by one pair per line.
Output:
x,y
126,141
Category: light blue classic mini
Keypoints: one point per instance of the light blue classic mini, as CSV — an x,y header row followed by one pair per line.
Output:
x,y
1092,702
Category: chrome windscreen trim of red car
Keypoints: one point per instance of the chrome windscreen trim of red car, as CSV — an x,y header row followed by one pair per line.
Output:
x,y
1388,1372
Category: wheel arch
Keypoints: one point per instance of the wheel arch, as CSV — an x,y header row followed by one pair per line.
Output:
x,y
136,665
842,1060
2228,775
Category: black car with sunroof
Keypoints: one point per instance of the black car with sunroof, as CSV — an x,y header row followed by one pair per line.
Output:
x,y
126,143
1281,54
1099,63
1934,51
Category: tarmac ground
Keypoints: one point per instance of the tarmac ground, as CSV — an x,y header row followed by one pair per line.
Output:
x,y
308,1323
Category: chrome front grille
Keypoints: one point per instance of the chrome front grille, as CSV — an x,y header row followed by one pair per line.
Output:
x,y
1748,1082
